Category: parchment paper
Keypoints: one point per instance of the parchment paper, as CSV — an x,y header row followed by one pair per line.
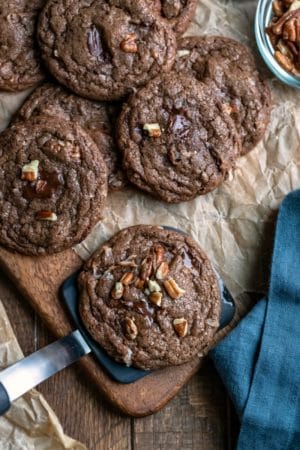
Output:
x,y
234,223
30,424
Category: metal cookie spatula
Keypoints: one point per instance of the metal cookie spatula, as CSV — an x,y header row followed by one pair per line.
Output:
x,y
32,370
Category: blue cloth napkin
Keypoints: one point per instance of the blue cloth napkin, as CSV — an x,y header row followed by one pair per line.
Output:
x,y
259,361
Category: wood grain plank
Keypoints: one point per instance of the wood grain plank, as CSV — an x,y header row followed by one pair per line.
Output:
x,y
194,420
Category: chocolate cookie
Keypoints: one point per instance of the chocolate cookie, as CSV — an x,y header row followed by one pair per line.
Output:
x,y
53,184
231,66
96,118
177,139
150,297
19,57
104,49
178,12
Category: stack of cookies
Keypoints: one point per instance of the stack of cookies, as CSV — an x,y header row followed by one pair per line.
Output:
x,y
129,100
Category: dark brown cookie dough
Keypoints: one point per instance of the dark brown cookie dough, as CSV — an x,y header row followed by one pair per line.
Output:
x,y
231,66
104,49
179,13
150,297
96,118
177,140
19,57
52,204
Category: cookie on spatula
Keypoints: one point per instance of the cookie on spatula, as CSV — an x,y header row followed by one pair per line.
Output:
x,y
150,297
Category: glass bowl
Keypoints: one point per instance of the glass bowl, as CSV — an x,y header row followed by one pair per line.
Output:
x,y
264,14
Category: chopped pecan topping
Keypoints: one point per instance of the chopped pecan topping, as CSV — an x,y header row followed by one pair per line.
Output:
x,y
162,271
129,44
181,327
159,255
153,286
173,290
30,171
117,291
146,268
46,215
127,278
153,129
156,298
139,284
183,52
131,329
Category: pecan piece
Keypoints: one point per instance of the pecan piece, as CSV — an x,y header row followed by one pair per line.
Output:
x,y
278,8
156,298
127,278
129,45
146,268
173,290
291,30
159,255
46,215
139,284
30,171
181,326
277,27
284,61
153,286
162,271
153,129
117,291
131,329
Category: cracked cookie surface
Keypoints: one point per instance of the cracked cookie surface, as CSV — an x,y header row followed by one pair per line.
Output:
x,y
97,118
231,67
179,13
150,297
20,65
177,140
104,49
53,185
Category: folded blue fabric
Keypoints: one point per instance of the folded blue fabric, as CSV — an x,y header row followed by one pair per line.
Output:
x,y
259,361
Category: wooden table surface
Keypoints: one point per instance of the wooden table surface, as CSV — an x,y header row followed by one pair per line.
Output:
x,y
201,417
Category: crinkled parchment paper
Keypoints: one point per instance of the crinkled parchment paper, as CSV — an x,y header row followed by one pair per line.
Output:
x,y
234,223
30,424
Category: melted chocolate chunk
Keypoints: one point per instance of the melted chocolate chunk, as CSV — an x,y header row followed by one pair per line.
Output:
x,y
45,186
180,125
141,307
96,44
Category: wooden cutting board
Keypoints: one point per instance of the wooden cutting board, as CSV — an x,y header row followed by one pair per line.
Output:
x,y
38,280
